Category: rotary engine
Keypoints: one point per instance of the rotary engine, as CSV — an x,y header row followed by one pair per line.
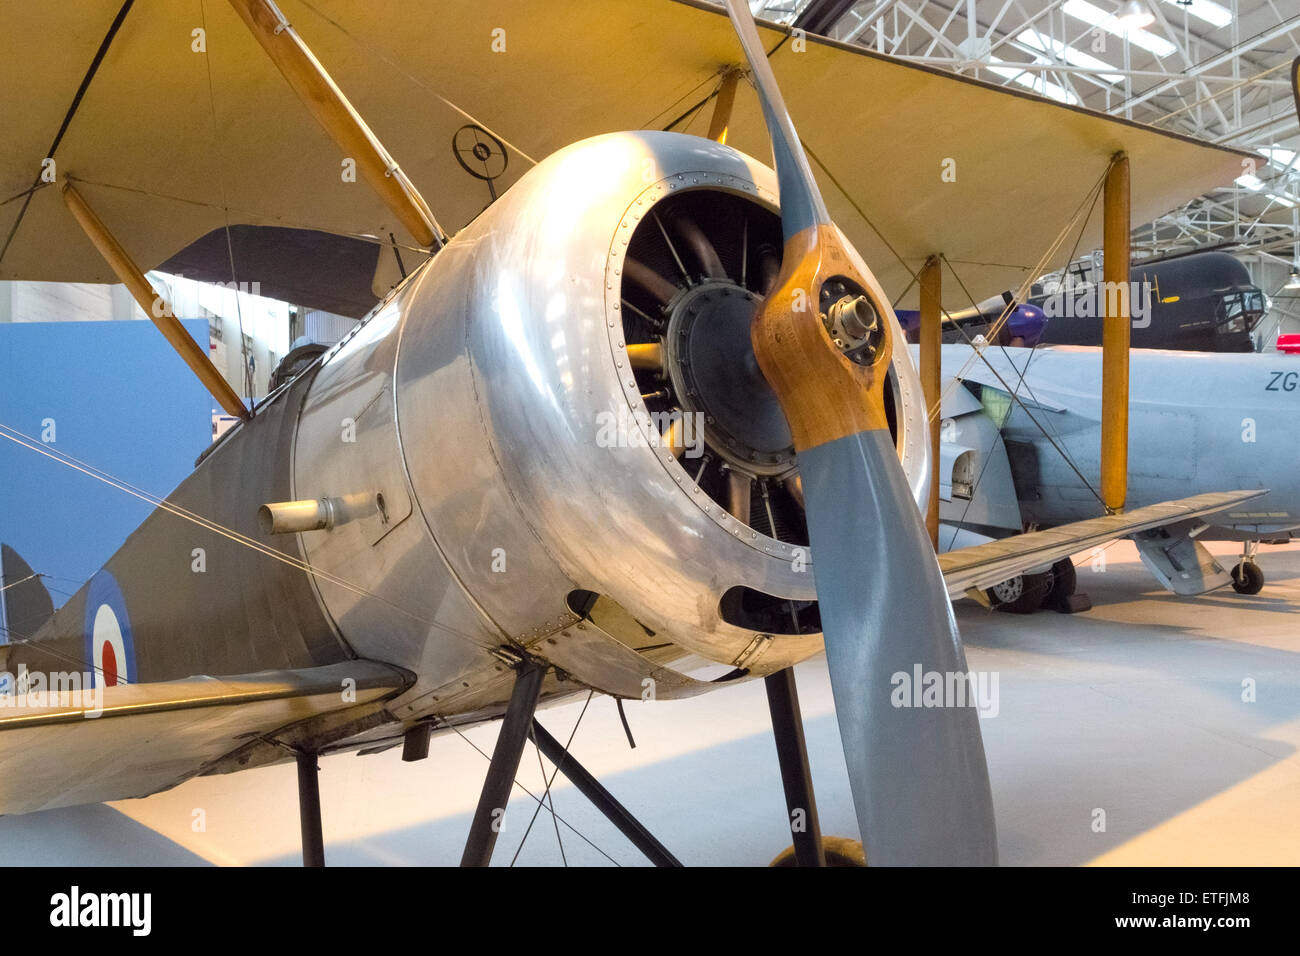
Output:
x,y
555,436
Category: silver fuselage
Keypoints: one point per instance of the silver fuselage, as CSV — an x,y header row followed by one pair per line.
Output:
x,y
472,402
457,433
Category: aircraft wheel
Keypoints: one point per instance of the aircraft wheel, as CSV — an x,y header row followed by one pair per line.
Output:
x,y
1023,594
1064,582
1247,578
840,851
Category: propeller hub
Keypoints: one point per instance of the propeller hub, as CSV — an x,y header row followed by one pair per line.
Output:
x,y
851,320
711,362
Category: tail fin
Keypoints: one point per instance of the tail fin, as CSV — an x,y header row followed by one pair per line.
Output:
x,y
25,605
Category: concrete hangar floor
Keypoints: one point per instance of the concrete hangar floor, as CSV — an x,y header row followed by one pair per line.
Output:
x,y
1134,708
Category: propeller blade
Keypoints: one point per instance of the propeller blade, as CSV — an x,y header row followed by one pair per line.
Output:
x,y
918,773
801,201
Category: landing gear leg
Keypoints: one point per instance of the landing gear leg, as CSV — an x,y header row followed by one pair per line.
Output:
x,y
601,798
313,840
1247,578
505,764
796,777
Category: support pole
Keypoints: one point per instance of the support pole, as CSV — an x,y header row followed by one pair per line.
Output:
x,y
489,816
796,776
323,98
155,306
313,840
931,342
722,106
1116,326
602,799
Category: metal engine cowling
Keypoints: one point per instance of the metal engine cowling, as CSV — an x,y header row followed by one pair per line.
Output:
x,y
515,441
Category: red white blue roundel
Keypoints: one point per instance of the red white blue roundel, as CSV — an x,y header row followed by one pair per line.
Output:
x,y
110,650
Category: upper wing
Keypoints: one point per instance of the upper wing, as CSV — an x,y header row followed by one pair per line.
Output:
x,y
166,139
988,564
149,737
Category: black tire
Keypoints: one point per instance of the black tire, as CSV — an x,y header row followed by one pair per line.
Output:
x,y
1247,578
839,851
1064,582
1026,599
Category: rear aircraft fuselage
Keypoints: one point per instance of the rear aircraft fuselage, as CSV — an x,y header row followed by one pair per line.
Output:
x,y
1204,302
1198,422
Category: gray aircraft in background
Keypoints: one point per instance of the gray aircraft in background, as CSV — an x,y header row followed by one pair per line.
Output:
x,y
1020,450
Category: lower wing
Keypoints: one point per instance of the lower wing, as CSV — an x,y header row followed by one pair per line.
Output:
x,y
985,565
67,747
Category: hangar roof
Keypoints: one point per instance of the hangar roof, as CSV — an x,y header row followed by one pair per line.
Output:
x,y
164,138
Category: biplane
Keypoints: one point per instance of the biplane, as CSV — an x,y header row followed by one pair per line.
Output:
x,y
640,405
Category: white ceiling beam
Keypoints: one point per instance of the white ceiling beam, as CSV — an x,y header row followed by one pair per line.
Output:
x,y
926,26
1219,60
871,19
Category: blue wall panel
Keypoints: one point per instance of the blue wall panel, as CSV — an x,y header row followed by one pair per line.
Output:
x,y
121,400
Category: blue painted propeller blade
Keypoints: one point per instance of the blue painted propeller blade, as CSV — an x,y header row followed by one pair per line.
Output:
x,y
801,201
919,778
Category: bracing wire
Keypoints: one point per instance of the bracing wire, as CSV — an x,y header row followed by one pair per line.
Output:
x,y
549,781
225,210
32,444
382,54
538,800
977,354
1023,371
250,214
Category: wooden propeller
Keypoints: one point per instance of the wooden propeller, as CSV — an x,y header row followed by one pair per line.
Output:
x,y
918,773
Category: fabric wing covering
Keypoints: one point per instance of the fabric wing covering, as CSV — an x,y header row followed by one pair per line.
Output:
x,y
166,138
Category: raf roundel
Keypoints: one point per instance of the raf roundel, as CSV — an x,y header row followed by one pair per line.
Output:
x,y
110,651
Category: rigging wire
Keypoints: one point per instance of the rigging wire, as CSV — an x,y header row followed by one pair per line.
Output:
x,y
1024,369
25,640
1089,200
913,273
550,780
282,223
1030,415
692,117
14,637
230,247
379,52
550,803
1013,392
692,110
691,92
32,444
98,59
14,584
536,799
977,354
35,187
